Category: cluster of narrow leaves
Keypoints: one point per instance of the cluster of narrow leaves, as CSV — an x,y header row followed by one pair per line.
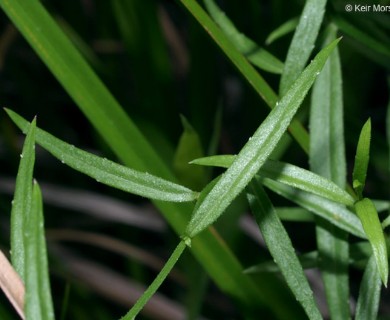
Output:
x,y
318,191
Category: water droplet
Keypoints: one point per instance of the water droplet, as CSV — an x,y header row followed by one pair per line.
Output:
x,y
21,155
317,73
62,161
250,138
13,202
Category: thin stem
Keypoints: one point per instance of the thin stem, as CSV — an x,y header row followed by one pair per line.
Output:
x,y
156,283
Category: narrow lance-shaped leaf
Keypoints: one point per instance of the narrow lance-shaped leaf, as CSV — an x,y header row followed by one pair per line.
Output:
x,y
361,159
38,301
327,158
289,174
368,215
329,210
257,149
302,43
109,172
258,56
281,249
22,200
369,293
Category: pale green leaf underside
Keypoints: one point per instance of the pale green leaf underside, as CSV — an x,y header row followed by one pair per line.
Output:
x,y
257,149
291,175
280,247
335,213
109,172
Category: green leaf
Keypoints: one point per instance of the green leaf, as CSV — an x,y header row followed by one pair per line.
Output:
x,y
281,249
361,159
327,158
257,149
282,30
21,204
38,300
302,43
189,147
368,215
108,172
156,283
369,293
288,174
258,56
334,213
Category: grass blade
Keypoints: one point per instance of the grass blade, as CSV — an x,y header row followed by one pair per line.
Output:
x,y
156,283
368,215
369,292
258,56
302,43
288,174
361,159
281,249
108,172
38,303
22,201
327,158
257,149
82,84
331,211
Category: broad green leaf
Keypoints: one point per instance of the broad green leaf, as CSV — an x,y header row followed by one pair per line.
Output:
x,y
327,158
21,204
280,247
156,283
189,147
258,56
288,174
368,215
302,43
361,159
334,213
369,293
109,172
282,30
257,149
38,300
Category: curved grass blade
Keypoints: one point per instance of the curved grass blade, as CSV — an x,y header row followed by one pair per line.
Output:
x,y
327,158
156,283
22,201
109,172
281,249
288,174
329,210
302,43
38,303
367,214
361,159
257,149
258,56
369,293
282,30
